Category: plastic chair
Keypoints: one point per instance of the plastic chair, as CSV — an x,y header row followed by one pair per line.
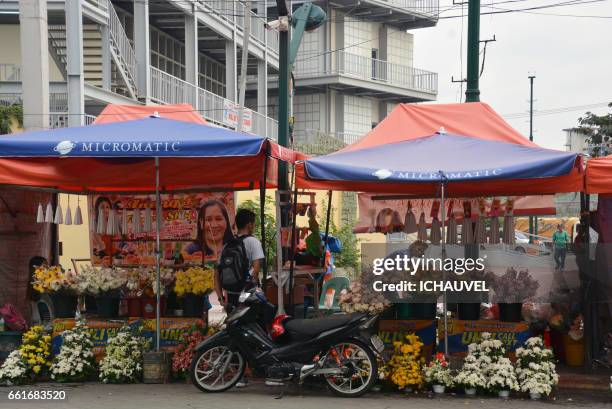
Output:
x,y
330,294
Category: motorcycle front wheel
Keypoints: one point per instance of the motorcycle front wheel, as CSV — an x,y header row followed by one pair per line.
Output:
x,y
359,367
216,368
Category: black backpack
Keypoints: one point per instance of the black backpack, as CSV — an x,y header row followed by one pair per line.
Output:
x,y
234,265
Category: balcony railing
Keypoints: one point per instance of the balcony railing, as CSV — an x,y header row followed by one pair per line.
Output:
x,y
356,66
101,4
10,72
121,42
225,9
169,89
429,8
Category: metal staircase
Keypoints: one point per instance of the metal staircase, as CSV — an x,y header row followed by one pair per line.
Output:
x,y
123,67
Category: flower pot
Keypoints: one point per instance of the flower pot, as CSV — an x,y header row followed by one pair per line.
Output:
x,y
134,307
108,305
468,311
470,391
193,306
510,312
149,306
503,394
574,351
439,388
64,305
535,395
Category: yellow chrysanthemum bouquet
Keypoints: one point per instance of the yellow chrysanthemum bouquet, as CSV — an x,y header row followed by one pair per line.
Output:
x,y
194,280
52,279
404,368
31,360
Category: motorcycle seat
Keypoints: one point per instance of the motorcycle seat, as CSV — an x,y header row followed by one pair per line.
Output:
x,y
309,328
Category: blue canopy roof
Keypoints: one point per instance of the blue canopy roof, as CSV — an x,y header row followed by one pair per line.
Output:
x,y
458,158
149,137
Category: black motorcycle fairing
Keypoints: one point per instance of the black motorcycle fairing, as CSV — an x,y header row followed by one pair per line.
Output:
x,y
219,338
310,328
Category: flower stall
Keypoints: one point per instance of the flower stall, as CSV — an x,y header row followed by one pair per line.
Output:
x,y
158,187
150,156
459,171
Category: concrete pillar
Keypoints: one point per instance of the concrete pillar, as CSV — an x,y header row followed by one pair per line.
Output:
x,y
106,58
230,71
34,63
74,63
142,49
191,47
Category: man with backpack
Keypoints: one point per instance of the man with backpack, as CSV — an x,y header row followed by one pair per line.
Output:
x,y
240,261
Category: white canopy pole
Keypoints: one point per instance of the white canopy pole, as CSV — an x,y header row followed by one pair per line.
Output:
x,y
158,216
444,276
280,282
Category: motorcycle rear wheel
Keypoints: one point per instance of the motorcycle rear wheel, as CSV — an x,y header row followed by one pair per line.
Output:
x,y
360,358
216,368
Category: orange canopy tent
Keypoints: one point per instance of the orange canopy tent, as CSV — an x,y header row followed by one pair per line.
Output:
x,y
477,120
599,175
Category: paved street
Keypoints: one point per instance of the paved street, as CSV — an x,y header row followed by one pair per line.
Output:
x,y
256,396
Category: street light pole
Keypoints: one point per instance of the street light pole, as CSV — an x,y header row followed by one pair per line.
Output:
x,y
533,221
472,91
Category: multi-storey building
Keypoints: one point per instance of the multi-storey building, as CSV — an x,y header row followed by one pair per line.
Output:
x,y
349,73
144,51
354,70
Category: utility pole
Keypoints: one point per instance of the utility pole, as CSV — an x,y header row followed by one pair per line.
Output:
x,y
472,93
283,95
244,63
533,221
307,17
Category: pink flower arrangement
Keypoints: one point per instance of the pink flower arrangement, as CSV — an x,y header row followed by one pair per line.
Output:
x,y
181,360
513,286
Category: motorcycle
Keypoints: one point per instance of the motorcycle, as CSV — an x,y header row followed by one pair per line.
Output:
x,y
342,349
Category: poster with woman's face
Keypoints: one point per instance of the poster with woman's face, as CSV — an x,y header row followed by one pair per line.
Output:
x,y
194,228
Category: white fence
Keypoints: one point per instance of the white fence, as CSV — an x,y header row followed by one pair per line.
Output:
x,y
352,65
169,89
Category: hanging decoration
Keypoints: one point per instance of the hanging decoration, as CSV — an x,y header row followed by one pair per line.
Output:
x,y
117,220
410,225
509,222
422,228
78,216
68,218
451,232
480,232
49,213
40,215
494,230
435,233
101,222
136,222
59,217
148,221
110,223
467,235
124,221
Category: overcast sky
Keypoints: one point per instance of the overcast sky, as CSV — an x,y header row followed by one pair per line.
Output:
x,y
570,57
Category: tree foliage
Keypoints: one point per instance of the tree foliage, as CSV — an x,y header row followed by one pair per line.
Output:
x,y
350,256
9,113
598,130
270,226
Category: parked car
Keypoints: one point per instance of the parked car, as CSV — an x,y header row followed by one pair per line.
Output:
x,y
522,244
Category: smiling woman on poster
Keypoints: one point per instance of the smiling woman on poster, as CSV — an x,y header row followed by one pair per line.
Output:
x,y
214,229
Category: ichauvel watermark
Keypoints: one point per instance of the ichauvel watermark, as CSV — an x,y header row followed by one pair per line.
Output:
x,y
405,264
